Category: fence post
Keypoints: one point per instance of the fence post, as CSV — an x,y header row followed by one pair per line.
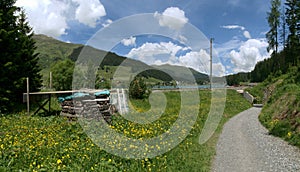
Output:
x,y
28,109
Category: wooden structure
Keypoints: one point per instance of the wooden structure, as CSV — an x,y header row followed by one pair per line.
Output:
x,y
38,97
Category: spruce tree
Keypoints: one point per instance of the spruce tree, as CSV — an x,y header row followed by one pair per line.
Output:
x,y
138,88
17,56
293,22
274,23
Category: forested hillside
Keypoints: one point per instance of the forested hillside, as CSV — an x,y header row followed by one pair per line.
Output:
x,y
283,38
60,57
280,89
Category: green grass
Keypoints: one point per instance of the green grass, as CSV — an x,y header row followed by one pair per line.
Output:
x,y
281,111
54,144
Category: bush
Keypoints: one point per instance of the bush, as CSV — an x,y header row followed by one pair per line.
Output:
x,y
280,128
138,89
63,75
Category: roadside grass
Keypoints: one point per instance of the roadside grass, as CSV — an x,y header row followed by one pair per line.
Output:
x,y
53,143
281,111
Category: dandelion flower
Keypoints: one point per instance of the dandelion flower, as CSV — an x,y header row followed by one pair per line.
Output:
x,y
58,161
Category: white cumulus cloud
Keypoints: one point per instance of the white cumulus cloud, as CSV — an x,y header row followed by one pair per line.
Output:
x,y
46,16
167,53
249,53
172,17
196,60
89,12
51,17
152,52
129,42
200,61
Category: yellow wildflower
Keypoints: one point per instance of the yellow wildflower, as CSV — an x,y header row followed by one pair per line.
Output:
x,y
58,161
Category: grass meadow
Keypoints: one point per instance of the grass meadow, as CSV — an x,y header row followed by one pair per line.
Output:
x,y
53,143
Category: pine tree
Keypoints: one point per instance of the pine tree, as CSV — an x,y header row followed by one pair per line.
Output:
x,y
274,23
138,89
17,56
283,28
293,22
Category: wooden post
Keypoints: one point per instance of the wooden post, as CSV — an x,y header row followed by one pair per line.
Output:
x,y
28,109
50,84
49,97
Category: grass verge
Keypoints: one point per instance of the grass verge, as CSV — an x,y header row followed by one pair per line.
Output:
x,y
281,111
54,144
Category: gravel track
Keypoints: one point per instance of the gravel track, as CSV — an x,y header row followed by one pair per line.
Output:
x,y
245,145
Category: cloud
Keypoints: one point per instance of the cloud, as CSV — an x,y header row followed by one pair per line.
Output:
x,y
233,27
200,61
129,42
218,69
46,16
107,23
51,17
89,12
151,52
249,53
228,46
247,34
234,2
167,53
172,17
182,39
196,60
242,28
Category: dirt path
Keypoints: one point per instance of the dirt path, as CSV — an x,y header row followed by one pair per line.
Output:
x,y
245,145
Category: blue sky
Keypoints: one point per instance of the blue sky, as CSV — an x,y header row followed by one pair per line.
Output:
x,y
237,26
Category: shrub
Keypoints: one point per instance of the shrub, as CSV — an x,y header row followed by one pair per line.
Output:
x,y
280,128
138,89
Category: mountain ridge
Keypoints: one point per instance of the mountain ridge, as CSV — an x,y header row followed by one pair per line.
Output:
x,y
51,51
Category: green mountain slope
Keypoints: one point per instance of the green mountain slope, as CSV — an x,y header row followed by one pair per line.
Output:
x,y
52,51
182,74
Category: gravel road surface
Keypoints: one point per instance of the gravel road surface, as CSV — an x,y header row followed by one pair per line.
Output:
x,y
245,145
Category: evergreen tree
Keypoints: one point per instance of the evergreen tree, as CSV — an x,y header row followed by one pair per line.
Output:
x,y
17,56
138,89
274,23
283,28
293,22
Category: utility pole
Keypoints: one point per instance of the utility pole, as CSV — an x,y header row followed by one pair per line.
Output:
x,y
210,77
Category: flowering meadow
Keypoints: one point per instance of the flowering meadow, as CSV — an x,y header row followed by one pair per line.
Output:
x,y
53,143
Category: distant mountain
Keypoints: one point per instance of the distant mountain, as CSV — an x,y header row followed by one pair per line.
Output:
x,y
181,73
51,51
